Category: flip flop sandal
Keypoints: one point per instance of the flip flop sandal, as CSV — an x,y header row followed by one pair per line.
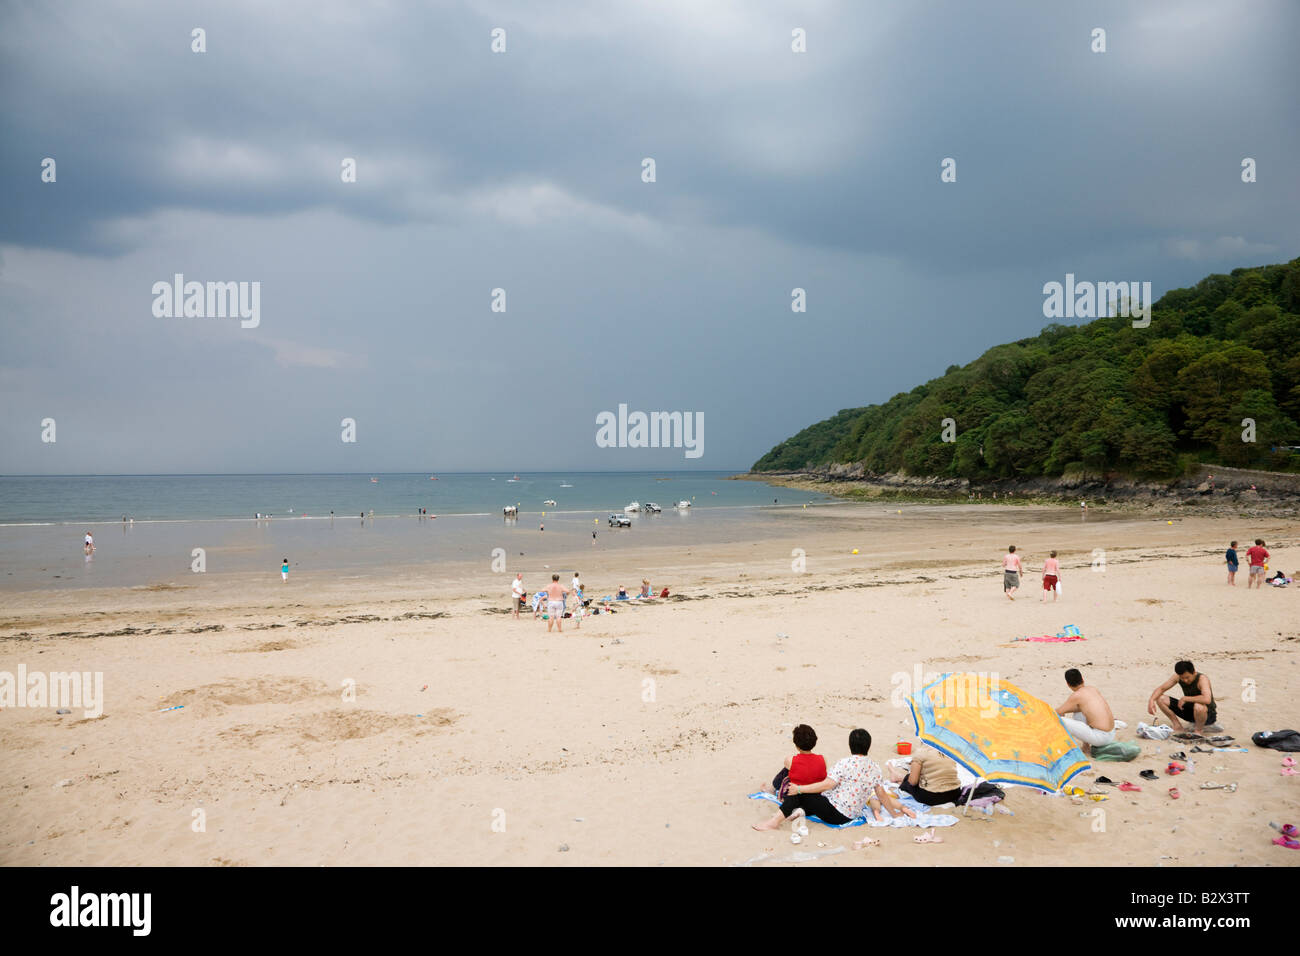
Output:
x,y
1202,750
1222,739
1148,775
1288,843
869,841
1289,771
1106,780
1178,755
1128,787
1174,769
928,837
1288,761
1189,737
1286,829
1229,787
1173,792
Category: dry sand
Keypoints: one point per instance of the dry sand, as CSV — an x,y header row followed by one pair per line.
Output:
x,y
529,748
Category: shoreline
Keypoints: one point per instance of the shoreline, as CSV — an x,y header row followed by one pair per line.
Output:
x,y
1234,493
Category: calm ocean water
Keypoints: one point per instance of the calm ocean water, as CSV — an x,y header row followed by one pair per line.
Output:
x,y
96,499
43,519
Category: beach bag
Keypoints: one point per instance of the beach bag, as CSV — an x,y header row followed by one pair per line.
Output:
x,y
1058,587
1287,741
1116,751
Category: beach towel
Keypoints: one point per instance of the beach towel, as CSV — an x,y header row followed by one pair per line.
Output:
x,y
923,817
1116,751
1053,638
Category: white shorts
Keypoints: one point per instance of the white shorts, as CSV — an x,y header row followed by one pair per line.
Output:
x,y
555,609
1080,730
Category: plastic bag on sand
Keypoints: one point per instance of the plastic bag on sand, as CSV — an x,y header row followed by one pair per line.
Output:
x,y
1154,732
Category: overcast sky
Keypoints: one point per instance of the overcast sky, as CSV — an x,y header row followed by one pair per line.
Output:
x,y
522,170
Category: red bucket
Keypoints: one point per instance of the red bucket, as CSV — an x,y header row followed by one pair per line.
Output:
x,y
904,747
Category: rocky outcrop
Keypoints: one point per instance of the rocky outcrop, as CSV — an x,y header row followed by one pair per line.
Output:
x,y
1213,489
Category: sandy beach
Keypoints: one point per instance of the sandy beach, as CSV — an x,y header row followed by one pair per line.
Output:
x,y
477,739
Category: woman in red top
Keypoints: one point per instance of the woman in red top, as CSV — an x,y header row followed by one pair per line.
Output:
x,y
805,767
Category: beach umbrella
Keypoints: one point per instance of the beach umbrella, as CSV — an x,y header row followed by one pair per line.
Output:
x,y
996,731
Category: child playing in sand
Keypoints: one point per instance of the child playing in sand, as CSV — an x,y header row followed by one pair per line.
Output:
x,y
805,767
284,570
1051,574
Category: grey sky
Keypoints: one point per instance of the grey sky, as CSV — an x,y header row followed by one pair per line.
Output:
x,y
522,170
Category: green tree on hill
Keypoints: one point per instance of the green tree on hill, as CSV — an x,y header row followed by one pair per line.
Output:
x,y
1103,395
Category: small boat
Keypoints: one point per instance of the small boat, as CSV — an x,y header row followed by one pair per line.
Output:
x,y
433,477
633,508
566,486
682,505
549,502
374,481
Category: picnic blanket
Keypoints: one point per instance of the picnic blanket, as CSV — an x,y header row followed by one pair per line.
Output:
x,y
924,818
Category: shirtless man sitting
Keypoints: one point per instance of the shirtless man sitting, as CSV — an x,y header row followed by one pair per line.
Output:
x,y
1197,704
1098,724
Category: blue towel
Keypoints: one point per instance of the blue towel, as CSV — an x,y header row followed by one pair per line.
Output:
x,y
923,818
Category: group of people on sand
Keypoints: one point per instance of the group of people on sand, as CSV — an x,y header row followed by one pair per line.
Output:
x,y
856,784
1013,568
1095,725
1257,556
553,603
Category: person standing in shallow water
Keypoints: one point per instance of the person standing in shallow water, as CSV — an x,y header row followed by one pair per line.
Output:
x,y
1010,572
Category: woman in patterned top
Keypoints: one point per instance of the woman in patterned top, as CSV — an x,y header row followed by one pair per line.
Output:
x,y
852,784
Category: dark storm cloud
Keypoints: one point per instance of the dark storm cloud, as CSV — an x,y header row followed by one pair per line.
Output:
x,y
475,170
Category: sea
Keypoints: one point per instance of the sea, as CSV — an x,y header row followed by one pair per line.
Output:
x,y
151,528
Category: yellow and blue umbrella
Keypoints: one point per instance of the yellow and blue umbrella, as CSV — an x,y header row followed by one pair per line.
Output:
x,y
996,731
